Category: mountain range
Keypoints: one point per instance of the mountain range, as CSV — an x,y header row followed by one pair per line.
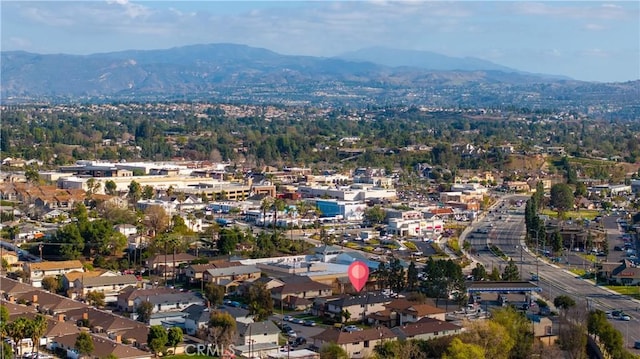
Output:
x,y
232,72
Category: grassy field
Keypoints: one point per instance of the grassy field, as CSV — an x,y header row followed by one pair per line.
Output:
x,y
573,215
632,291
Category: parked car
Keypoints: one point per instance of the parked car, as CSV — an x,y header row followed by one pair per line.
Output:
x,y
297,321
625,317
299,341
309,323
287,318
292,333
351,328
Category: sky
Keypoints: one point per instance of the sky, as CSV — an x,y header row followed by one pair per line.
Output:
x,y
585,40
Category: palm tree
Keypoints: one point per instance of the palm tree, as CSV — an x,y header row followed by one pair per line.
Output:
x,y
17,330
265,205
38,326
278,206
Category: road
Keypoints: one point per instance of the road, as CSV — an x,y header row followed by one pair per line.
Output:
x,y
508,235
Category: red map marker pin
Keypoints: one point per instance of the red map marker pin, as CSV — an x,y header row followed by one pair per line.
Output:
x,y
358,274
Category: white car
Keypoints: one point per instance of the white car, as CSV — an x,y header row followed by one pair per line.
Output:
x,y
351,328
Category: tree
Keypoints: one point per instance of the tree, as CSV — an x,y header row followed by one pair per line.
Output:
x,y
277,207
443,278
96,298
511,272
157,219
519,327
495,274
374,214
493,338
17,330
382,275
144,311
573,340
392,349
459,350
148,192
581,190
51,284
397,281
113,243
333,351
36,329
265,205
32,175
564,302
4,315
110,187
7,350
135,192
479,272
174,337
214,294
561,198
260,302
345,315
556,242
412,276
222,328
84,344
157,339
93,186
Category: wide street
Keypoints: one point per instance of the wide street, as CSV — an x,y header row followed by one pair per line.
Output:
x,y
507,230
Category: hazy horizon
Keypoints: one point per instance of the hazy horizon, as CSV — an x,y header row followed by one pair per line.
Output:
x,y
590,41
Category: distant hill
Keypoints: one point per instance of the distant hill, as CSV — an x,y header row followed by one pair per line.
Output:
x,y
421,59
239,73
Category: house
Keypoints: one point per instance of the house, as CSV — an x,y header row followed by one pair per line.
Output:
x,y
128,295
411,312
45,302
358,306
169,302
626,273
264,332
27,232
194,272
118,328
126,229
358,344
197,316
425,329
12,260
111,286
102,348
37,271
231,276
57,327
301,287
170,260
68,279
257,340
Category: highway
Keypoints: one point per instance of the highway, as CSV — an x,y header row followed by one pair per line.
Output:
x,y
507,232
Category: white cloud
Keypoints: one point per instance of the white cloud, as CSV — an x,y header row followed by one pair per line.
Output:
x,y
20,43
572,10
594,27
599,53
